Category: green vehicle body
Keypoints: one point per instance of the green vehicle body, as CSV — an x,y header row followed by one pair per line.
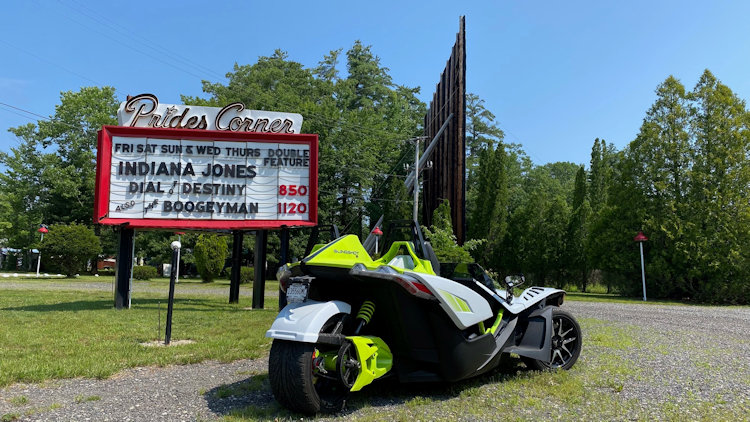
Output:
x,y
445,327
346,252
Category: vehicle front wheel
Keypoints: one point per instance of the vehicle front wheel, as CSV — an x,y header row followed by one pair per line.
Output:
x,y
566,343
295,383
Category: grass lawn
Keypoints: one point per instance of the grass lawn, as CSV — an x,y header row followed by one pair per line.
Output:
x,y
591,390
61,334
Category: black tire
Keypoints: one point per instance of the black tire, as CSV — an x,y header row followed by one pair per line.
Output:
x,y
290,375
294,384
566,343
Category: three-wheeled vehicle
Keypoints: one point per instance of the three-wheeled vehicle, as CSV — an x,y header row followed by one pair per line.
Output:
x,y
351,320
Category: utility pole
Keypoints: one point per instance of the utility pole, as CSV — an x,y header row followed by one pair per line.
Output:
x,y
416,177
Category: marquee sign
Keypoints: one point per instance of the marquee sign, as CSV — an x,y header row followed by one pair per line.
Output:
x,y
144,110
177,178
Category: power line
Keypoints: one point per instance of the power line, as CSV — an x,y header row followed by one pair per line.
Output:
x,y
343,125
350,167
108,23
182,69
25,111
364,198
50,119
518,140
377,190
42,59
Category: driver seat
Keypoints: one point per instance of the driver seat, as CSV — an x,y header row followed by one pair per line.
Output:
x,y
430,255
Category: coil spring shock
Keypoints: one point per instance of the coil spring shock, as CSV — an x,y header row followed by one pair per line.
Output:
x,y
365,314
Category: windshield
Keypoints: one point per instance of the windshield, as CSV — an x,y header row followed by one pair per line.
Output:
x,y
467,272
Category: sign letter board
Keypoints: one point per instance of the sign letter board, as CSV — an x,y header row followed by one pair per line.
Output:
x,y
189,179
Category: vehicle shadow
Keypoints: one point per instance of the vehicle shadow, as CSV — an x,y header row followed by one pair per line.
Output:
x,y
393,393
251,398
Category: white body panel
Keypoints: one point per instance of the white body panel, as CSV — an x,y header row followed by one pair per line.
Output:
x,y
303,321
528,298
479,309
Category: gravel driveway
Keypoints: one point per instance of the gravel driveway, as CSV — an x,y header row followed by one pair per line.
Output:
x,y
687,354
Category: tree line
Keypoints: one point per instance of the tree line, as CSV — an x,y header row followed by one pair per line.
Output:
x,y
683,180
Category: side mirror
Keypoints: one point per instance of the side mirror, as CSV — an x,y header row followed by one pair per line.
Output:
x,y
514,280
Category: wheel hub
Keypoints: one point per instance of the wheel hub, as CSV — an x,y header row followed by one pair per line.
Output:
x,y
347,365
556,342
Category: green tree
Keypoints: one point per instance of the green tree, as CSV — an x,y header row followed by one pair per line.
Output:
x,y
539,209
154,247
577,237
659,163
210,254
24,186
482,132
49,176
683,181
442,239
65,162
359,119
717,229
488,219
70,247
598,176
397,205
5,216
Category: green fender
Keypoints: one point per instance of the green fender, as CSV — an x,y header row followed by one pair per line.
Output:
x,y
374,356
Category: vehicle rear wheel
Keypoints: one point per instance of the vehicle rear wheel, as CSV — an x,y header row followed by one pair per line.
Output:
x,y
566,343
290,375
297,377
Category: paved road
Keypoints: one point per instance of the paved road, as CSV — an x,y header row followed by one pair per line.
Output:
x,y
688,352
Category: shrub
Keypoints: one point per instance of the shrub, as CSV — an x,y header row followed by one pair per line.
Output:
x,y
69,247
210,253
443,240
247,275
144,272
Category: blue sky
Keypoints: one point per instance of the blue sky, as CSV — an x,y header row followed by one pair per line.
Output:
x,y
556,74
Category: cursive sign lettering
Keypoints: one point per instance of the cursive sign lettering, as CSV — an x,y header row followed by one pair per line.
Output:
x,y
144,110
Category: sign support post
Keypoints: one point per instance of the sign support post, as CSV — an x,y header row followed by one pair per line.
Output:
x,y
234,284
259,284
172,281
284,259
124,271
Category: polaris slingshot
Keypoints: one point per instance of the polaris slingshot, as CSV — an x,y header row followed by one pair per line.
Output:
x,y
351,320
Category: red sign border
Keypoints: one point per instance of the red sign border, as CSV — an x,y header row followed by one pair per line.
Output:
x,y
104,165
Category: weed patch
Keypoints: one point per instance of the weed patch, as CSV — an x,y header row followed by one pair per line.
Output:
x,y
19,400
83,399
9,417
